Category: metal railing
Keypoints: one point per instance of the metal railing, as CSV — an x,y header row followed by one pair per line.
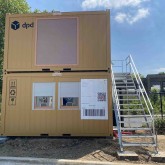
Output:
x,y
116,108
131,65
128,66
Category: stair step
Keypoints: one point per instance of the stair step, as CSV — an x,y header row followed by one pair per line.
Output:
x,y
136,128
130,99
130,104
122,73
137,136
125,86
134,122
123,79
128,77
127,89
137,144
128,94
131,109
122,76
124,83
133,116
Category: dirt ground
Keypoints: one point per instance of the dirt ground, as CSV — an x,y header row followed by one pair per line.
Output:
x,y
95,149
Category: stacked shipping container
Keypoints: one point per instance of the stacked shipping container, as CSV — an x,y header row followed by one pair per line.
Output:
x,y
56,75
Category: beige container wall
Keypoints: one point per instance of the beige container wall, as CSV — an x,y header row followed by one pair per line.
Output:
x,y
21,120
93,42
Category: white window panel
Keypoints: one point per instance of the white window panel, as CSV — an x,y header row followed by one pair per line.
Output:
x,y
69,95
43,96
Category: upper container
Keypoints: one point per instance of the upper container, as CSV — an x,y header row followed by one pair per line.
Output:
x,y
57,41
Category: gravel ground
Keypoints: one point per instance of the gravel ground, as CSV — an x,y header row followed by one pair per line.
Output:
x,y
95,149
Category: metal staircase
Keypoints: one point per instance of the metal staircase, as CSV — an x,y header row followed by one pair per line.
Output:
x,y
132,107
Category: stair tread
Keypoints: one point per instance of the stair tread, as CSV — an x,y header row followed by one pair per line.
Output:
x,y
135,128
137,115
130,99
127,90
134,116
124,83
131,109
137,136
130,104
117,86
127,94
122,79
138,144
134,122
122,76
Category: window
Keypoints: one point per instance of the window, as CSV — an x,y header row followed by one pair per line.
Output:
x,y
57,42
69,95
43,96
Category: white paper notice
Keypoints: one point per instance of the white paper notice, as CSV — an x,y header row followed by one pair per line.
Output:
x,y
94,99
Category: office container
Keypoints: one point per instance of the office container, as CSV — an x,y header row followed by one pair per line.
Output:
x,y
56,79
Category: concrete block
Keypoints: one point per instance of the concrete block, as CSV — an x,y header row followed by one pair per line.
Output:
x,y
159,157
130,155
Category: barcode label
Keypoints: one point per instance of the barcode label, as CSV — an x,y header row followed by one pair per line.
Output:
x,y
94,112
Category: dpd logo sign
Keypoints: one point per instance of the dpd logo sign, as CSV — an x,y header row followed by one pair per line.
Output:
x,y
16,25
27,25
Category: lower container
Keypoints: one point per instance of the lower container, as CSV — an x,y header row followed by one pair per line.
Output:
x,y
56,104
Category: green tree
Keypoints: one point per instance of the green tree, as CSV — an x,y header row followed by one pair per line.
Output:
x,y
154,96
140,75
161,73
12,7
36,11
155,99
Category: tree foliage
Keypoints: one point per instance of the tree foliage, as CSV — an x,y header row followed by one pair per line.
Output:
x,y
156,100
10,6
154,96
161,73
160,125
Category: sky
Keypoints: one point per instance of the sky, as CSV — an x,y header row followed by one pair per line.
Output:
x,y
137,28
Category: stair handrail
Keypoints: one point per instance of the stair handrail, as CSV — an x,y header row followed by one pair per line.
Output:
x,y
114,90
140,84
116,108
139,81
